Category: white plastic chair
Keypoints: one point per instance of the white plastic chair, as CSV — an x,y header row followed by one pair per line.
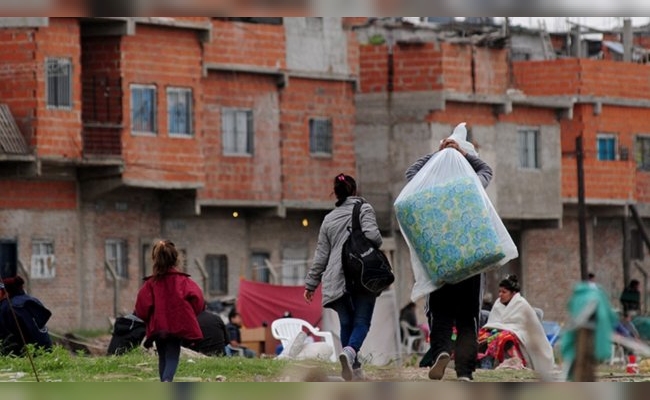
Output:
x,y
286,330
409,338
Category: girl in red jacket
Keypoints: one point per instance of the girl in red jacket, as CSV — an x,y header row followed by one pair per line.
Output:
x,y
169,302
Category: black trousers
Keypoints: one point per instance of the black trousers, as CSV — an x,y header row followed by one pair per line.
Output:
x,y
456,305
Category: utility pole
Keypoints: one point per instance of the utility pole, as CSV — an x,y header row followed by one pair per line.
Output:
x,y
582,212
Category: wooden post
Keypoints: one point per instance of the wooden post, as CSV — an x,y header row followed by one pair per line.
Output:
x,y
585,364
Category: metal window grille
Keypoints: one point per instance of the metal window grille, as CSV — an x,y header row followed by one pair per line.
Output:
x,y
237,131
59,82
43,265
179,111
320,136
143,108
217,268
116,256
643,152
529,148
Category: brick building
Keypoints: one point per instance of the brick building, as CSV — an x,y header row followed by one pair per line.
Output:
x,y
222,134
418,82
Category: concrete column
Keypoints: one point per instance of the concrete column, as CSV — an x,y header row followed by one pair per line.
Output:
x,y
628,38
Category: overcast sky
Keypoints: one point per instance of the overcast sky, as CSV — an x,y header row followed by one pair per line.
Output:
x,y
559,23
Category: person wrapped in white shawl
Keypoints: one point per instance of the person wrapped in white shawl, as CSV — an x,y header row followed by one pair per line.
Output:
x,y
512,313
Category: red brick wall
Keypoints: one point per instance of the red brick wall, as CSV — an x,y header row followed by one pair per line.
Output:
x,y
418,67
373,68
100,59
582,76
491,70
354,53
473,114
58,131
241,177
643,186
244,43
165,58
34,195
306,177
17,77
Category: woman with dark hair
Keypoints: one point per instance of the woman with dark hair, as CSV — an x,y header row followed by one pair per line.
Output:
x,y
514,330
28,311
354,309
169,302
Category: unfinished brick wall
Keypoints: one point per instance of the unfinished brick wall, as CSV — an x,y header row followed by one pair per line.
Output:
x,y
17,78
58,130
38,195
244,43
306,177
234,177
165,58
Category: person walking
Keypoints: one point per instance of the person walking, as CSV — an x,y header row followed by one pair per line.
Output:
x,y
169,302
354,308
455,304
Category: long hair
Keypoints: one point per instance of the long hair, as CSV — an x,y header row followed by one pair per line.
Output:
x,y
164,256
344,187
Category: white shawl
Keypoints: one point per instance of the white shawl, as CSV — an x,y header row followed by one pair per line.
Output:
x,y
519,318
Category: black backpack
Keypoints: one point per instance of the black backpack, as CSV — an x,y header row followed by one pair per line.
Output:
x,y
365,267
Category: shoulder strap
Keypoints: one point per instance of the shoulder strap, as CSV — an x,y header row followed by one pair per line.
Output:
x,y
356,214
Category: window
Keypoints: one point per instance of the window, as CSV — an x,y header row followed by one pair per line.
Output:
x,y
294,265
529,148
320,136
237,127
259,269
116,256
143,108
179,111
258,20
217,268
43,262
643,152
59,82
606,147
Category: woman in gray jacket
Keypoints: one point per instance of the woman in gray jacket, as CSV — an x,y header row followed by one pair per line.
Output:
x,y
354,309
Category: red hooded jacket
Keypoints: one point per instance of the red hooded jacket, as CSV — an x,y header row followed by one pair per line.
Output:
x,y
169,306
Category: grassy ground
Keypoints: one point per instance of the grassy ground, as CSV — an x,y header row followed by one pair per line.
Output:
x,y
142,366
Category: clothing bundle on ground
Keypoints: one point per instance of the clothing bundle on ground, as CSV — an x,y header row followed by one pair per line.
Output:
x,y
452,229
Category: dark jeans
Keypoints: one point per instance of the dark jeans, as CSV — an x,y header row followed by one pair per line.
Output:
x,y
355,313
169,353
457,304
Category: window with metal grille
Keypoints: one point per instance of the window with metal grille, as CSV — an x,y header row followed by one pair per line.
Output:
x,y
59,82
237,131
217,268
143,109
179,111
320,136
643,152
606,146
259,270
116,256
529,148
43,264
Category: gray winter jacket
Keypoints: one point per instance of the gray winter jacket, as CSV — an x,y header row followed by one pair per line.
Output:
x,y
327,268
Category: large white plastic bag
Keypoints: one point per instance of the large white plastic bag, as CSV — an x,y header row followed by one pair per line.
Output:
x,y
450,225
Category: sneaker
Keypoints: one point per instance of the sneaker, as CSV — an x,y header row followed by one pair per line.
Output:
x,y
465,379
437,371
347,358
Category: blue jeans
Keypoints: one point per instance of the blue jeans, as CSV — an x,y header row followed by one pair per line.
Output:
x,y
243,351
355,313
169,353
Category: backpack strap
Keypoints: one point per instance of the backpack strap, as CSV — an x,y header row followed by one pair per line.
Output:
x,y
356,214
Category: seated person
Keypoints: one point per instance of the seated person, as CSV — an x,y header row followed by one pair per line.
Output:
x,y
28,311
234,347
513,330
215,335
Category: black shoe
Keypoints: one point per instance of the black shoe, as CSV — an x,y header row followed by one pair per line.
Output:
x,y
437,371
465,379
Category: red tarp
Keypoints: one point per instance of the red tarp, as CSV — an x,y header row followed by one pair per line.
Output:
x,y
260,303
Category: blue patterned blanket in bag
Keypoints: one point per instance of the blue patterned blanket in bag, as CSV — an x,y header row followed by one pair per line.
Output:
x,y
449,228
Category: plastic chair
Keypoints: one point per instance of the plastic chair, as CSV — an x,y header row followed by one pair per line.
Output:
x,y
552,330
409,338
618,355
287,329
